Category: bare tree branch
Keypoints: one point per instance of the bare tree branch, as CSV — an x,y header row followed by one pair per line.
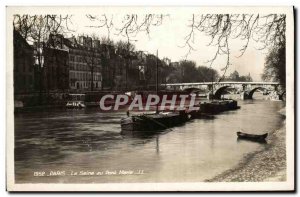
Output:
x,y
130,26
266,30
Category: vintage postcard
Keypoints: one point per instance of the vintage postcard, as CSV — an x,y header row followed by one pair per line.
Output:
x,y
150,98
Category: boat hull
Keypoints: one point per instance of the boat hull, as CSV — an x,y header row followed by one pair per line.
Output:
x,y
252,137
152,122
215,107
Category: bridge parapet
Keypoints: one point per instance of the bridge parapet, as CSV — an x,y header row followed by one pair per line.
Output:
x,y
248,88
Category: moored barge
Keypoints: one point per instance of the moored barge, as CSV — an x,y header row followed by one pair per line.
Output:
x,y
153,121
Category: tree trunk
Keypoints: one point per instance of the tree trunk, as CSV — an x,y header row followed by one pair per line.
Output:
x,y
126,76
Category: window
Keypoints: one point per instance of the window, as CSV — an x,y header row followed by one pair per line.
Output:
x,y
30,68
72,58
30,80
23,81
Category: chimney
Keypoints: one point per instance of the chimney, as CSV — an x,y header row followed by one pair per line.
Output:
x,y
96,44
88,42
82,40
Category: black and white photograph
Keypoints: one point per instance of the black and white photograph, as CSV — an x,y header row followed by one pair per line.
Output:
x,y
108,98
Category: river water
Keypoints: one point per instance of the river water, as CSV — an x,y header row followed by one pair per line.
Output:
x,y
86,146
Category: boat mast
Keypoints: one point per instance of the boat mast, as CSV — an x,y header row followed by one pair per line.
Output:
x,y
157,79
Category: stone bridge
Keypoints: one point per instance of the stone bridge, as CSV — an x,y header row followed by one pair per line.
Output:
x,y
246,89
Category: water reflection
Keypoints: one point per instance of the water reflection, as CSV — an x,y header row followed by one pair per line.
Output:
x,y
239,140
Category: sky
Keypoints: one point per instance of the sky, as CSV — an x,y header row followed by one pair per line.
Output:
x,y
168,39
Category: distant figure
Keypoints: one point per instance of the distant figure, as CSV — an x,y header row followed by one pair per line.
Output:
x,y
127,112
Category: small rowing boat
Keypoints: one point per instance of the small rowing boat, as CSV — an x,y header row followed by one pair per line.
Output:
x,y
253,137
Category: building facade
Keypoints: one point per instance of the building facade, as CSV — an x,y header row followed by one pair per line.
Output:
x,y
85,69
79,64
56,69
84,58
23,65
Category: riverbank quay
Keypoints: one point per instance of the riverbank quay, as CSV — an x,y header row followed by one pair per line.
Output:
x,y
268,164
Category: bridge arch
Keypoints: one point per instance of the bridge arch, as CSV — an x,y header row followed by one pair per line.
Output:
x,y
218,93
250,94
